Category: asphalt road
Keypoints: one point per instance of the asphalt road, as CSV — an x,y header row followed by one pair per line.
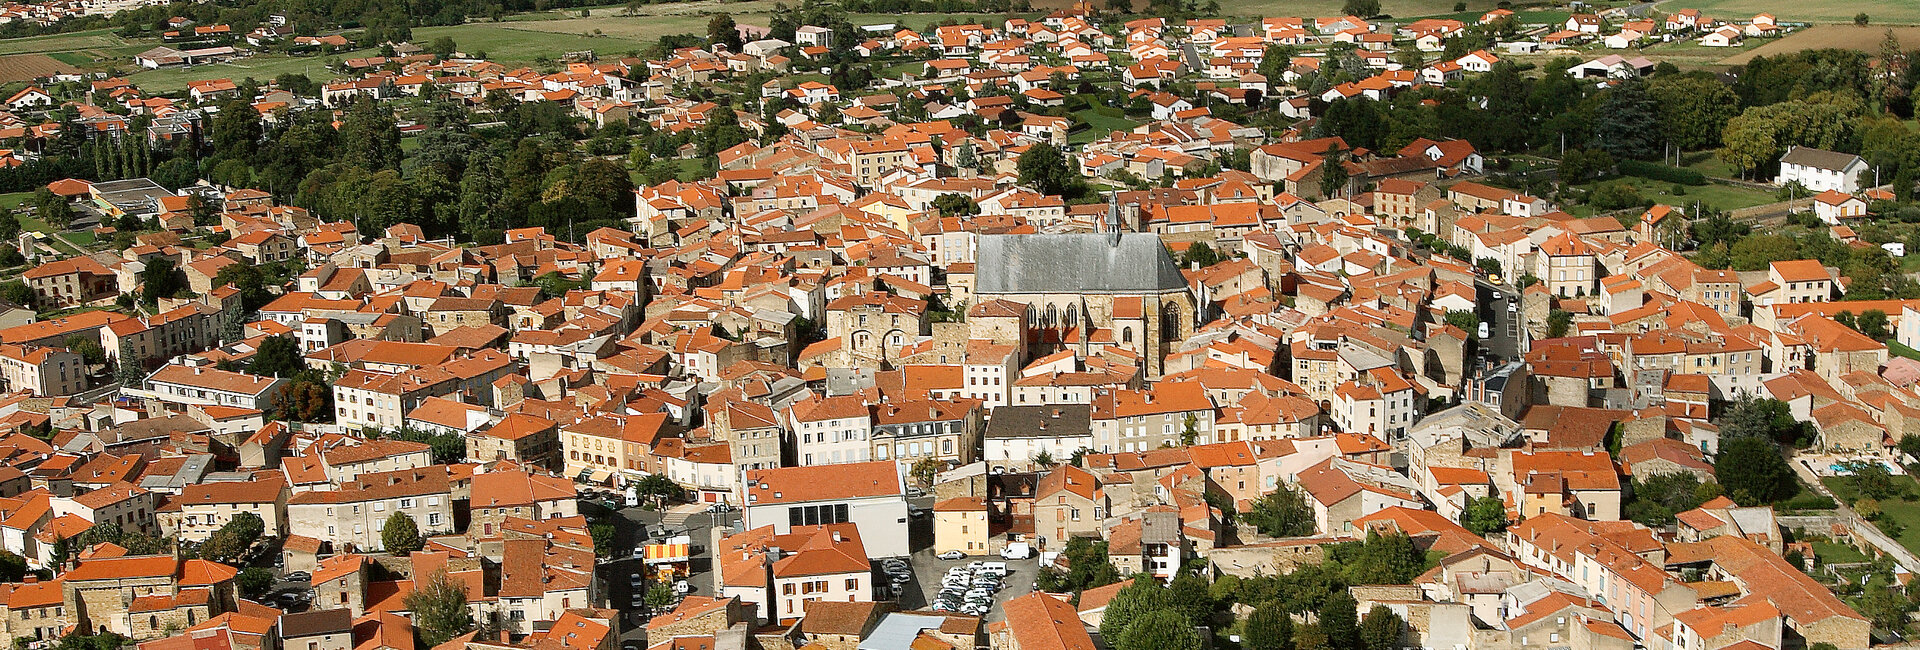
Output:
x,y
1503,325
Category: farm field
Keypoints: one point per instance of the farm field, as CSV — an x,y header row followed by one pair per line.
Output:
x,y
24,67
1891,12
1865,39
525,41
76,41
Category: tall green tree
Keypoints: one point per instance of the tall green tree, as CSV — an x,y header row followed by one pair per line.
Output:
x,y
1340,621
1136,600
1381,629
278,356
1485,516
1753,471
1269,627
1046,170
1281,513
439,606
400,534
1163,629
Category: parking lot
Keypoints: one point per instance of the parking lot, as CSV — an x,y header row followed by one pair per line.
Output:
x,y
929,571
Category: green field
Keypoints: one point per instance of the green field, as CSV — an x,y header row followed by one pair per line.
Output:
x,y
1902,12
88,40
1100,122
262,67
1714,195
1904,512
1835,553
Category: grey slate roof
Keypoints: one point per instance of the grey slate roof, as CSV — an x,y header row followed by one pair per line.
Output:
x,y
1075,263
1819,158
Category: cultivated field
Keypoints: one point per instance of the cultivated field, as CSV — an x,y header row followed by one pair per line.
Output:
x,y
1865,39
1902,12
90,40
26,67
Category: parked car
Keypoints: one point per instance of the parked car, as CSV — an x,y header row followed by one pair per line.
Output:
x,y
298,576
951,555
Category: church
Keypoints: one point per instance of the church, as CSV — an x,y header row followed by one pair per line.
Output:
x,y
1090,290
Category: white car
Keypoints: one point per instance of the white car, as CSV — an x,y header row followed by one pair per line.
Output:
x,y
951,555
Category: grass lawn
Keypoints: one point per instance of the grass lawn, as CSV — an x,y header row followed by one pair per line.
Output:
x,y
1835,553
81,238
1709,163
1714,195
1100,121
15,199
262,68
1903,512
1900,350
691,169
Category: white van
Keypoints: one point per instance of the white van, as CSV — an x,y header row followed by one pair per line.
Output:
x,y
1484,331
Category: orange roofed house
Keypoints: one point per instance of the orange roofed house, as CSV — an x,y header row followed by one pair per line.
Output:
x,y
869,495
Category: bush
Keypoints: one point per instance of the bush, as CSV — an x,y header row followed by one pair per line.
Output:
x,y
1809,500
1659,172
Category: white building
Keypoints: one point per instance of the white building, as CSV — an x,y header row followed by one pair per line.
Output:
x,y
869,495
1820,170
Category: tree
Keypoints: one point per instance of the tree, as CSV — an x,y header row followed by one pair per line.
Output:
x,y
955,204
1200,253
1693,109
1333,173
1627,123
1658,497
1768,419
1861,19
1753,472
657,488
1159,630
924,470
87,347
1340,620
1910,445
52,208
1361,8
1269,627
1132,602
1044,459
1873,323
1281,513
255,582
1871,479
658,596
12,566
443,47
128,370
1046,170
278,356
721,30
1559,322
1484,516
1381,629
1188,595
159,280
1466,320
1121,6
439,606
9,224
232,539
400,534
